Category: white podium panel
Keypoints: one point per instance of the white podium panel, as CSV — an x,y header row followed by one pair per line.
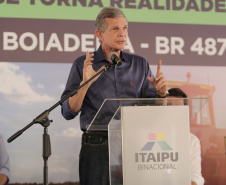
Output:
x,y
155,145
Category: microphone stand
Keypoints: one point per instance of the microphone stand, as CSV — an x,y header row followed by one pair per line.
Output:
x,y
45,122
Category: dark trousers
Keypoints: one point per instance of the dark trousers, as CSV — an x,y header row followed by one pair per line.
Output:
x,y
93,160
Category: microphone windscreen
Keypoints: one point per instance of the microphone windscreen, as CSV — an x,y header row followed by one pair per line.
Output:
x,y
113,55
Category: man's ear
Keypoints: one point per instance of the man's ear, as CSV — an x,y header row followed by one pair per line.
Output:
x,y
98,34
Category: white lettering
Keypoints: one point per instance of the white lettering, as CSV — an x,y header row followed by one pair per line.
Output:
x,y
67,38
86,43
54,43
29,41
162,45
97,43
10,41
34,41
41,41
129,46
177,44
172,45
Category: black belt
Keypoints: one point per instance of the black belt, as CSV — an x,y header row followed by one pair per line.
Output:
x,y
101,133
94,137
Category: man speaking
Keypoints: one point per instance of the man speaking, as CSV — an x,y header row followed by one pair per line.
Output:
x,y
132,79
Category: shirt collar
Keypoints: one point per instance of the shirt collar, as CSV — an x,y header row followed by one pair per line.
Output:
x,y
99,56
124,56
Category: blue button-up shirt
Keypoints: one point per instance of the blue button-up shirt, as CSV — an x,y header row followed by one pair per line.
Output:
x,y
126,81
4,159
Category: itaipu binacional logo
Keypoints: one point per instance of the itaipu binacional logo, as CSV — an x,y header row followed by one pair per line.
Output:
x,y
164,159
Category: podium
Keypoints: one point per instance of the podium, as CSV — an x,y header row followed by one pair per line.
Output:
x,y
149,140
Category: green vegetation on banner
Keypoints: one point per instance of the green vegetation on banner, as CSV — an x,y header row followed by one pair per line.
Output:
x,y
210,12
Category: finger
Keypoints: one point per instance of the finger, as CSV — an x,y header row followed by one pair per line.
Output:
x,y
150,79
161,84
159,76
162,91
89,55
88,59
159,67
161,80
87,63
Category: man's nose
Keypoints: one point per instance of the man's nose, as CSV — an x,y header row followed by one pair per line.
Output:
x,y
122,32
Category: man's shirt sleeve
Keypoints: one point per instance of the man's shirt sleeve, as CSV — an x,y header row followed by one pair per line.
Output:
x,y
4,159
74,80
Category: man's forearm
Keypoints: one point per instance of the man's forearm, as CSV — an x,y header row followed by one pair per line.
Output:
x,y
76,101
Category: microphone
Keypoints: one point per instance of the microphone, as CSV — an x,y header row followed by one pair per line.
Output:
x,y
115,59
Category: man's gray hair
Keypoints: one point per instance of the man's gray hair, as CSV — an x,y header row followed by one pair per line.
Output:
x,y
107,12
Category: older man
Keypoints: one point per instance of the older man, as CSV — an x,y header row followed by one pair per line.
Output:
x,y
132,79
